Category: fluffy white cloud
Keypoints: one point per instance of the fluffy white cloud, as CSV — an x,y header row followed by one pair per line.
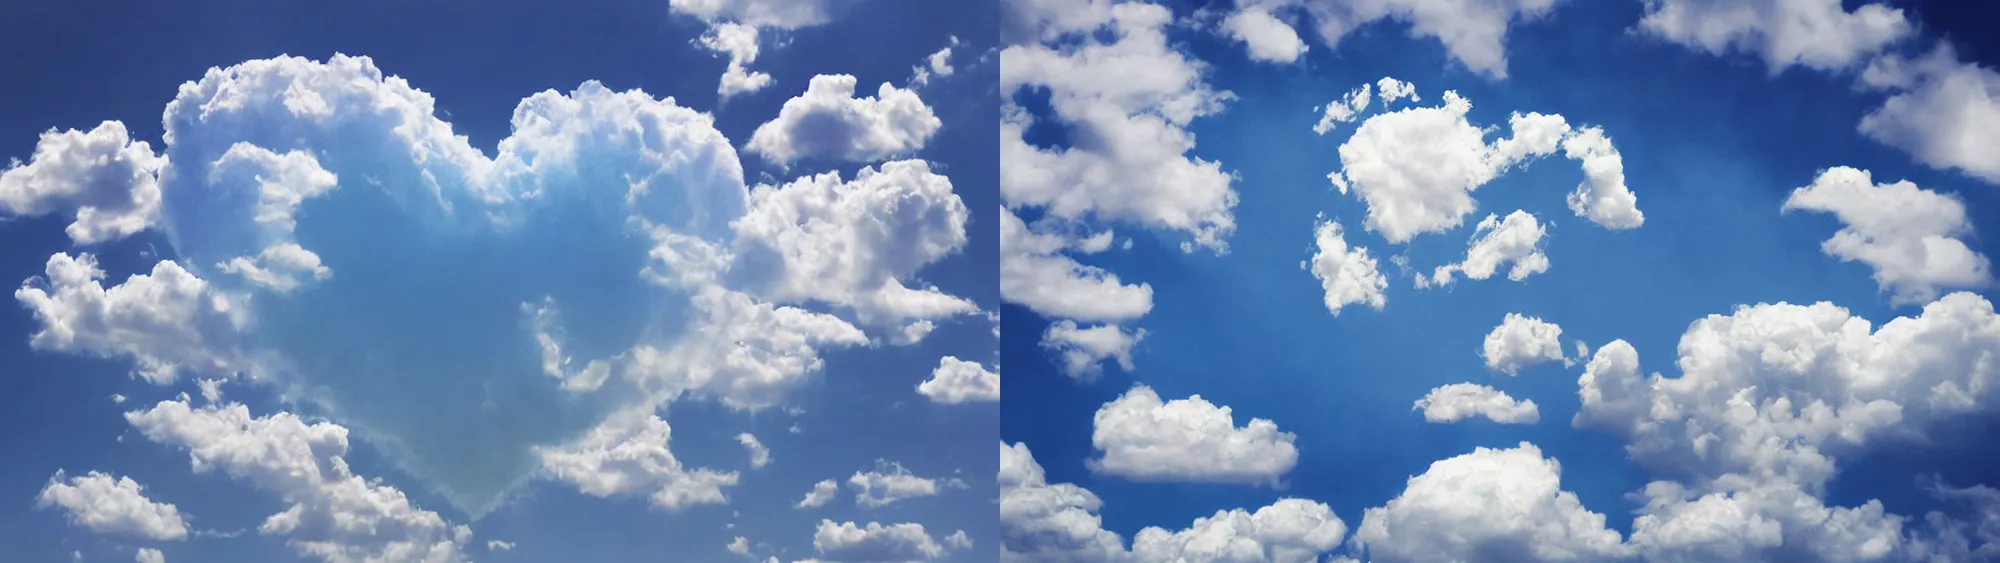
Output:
x,y
823,492
1133,95
1055,523
1460,401
1416,168
1474,32
112,505
1034,274
1910,236
958,381
1084,350
739,43
1818,34
889,482
1393,90
628,454
741,351
334,515
734,27
1521,341
1266,37
740,545
1491,504
1291,530
166,322
828,123
875,542
1603,197
1516,240
1348,274
760,456
1145,439
107,181
1943,111
938,64
149,555
1345,109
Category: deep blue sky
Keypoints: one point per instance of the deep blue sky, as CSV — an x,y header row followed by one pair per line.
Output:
x,y
74,64
1711,145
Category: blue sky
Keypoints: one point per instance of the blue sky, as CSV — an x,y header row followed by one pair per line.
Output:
x,y
1716,117
659,206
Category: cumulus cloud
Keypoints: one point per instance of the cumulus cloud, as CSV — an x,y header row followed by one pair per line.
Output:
x,y
889,482
1040,521
112,505
739,43
1266,37
1291,530
1491,504
1603,198
740,545
1943,111
958,381
333,514
1460,401
958,540
1516,240
105,180
937,65
1817,34
628,454
1344,110
1035,274
1082,351
1145,439
847,541
1473,33
760,456
1521,341
822,492
1911,237
828,123
149,555
1348,274
166,321
734,27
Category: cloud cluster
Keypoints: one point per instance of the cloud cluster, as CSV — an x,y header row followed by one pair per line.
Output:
x,y
107,504
1911,237
1145,439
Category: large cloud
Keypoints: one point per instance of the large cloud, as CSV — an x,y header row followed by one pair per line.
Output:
x,y
334,235
1145,439
108,181
1488,505
1910,236
828,123
1818,34
1941,110
116,505
874,542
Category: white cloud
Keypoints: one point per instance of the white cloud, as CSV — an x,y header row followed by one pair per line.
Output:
x,y
1473,32
1345,109
745,353
1910,236
1191,440
823,492
628,454
739,43
1266,37
1034,274
1291,530
1393,90
112,505
334,515
828,123
781,14
1044,522
847,541
1348,274
1460,401
1084,350
149,555
1495,242
1416,168
545,320
1491,504
958,381
1131,96
497,545
1521,341
166,322
740,545
958,540
1603,197
760,456
1943,111
1817,34
889,482
936,65
107,181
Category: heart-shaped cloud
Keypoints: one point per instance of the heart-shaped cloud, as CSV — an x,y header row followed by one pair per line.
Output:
x,y
457,309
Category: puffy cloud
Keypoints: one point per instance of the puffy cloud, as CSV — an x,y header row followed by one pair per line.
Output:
x,y
1521,341
958,381
828,123
105,180
1290,530
112,505
1040,521
743,352
739,43
1131,96
734,26
875,542
890,482
149,555
628,454
1416,168
1818,34
1491,504
1082,351
334,515
1943,111
1495,242
938,64
1145,439
1910,236
823,492
1034,274
1460,401
1266,37
1603,197
1345,109
1473,32
1348,274
1393,90
1739,518
760,456
166,322
958,540
740,545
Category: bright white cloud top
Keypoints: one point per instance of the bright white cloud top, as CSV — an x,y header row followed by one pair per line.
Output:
x,y
827,122
113,505
958,381
1461,401
1911,237
1521,341
1145,439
